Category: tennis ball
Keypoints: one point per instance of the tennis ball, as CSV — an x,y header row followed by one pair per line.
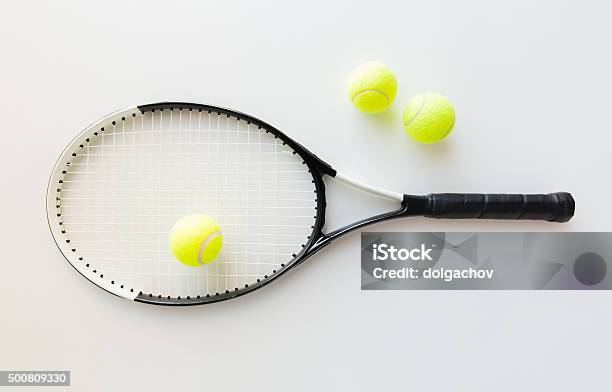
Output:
x,y
196,240
372,87
429,118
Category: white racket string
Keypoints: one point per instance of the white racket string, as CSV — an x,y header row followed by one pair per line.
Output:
x,y
121,195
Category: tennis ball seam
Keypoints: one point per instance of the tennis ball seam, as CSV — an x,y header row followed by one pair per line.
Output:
x,y
370,91
205,243
418,111
449,128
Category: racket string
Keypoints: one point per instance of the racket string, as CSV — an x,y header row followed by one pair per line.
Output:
x,y
121,196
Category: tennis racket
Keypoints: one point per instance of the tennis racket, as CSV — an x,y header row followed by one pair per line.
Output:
x,y
119,187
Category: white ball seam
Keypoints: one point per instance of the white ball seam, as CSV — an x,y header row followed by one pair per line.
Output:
x,y
205,243
418,111
368,91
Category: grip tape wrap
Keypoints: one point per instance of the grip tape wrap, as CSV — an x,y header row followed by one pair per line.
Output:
x,y
552,207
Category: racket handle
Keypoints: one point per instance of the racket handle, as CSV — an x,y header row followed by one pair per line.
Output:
x,y
552,207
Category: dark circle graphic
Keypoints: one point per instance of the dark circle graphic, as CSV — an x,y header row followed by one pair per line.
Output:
x,y
590,268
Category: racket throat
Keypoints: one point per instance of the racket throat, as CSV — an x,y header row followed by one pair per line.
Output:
x,y
411,206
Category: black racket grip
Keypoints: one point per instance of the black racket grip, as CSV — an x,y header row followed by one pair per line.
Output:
x,y
552,207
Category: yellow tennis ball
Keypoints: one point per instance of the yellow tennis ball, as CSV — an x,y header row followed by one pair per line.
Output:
x,y
372,87
429,118
196,240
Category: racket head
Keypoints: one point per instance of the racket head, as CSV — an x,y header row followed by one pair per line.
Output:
x,y
115,171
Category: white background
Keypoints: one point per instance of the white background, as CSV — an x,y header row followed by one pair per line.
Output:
x,y
530,81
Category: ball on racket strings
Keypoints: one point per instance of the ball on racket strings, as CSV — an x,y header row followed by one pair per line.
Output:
x,y
429,118
372,87
196,240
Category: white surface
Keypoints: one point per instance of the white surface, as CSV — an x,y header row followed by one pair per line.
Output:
x,y
530,81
